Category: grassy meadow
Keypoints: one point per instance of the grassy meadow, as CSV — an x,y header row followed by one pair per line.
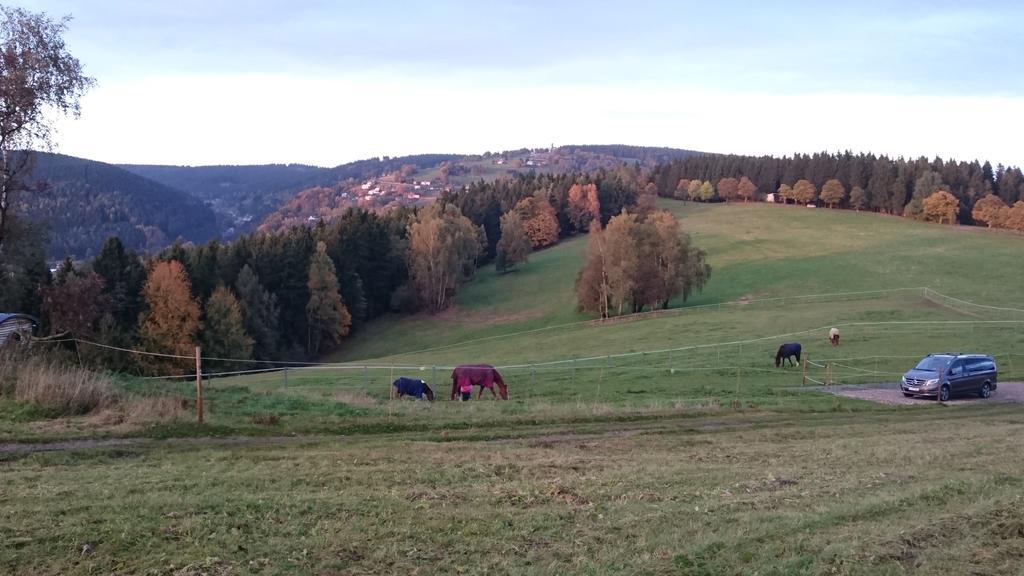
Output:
x,y
665,445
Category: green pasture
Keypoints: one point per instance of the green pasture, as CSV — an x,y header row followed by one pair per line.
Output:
x,y
756,250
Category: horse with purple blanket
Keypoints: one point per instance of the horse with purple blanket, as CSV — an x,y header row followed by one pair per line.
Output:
x,y
788,351
412,387
482,375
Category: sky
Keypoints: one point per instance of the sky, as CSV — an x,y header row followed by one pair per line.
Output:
x,y
194,82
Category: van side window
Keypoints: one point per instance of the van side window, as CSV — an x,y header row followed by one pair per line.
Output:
x,y
957,369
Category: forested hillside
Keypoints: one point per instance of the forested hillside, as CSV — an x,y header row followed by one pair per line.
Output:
x,y
83,202
246,194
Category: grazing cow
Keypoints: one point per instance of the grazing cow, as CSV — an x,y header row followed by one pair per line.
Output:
x,y
412,387
788,351
482,375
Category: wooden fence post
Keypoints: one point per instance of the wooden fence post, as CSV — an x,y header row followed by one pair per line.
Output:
x,y
199,385
805,362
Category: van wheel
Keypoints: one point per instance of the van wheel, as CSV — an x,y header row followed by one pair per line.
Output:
x,y
944,393
986,390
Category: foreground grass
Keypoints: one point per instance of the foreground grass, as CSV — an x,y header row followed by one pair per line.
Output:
x,y
922,492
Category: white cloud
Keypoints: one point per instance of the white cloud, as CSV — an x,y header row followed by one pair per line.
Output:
x,y
328,121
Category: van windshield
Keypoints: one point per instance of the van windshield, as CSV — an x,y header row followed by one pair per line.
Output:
x,y
931,363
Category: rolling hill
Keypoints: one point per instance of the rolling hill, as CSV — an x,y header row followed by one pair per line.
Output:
x,y
757,251
85,202
279,195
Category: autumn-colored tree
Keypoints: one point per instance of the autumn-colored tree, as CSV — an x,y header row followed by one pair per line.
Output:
x,y
592,291
584,206
941,207
1014,219
729,188
659,251
747,189
443,248
990,211
76,304
639,263
682,189
514,246
785,193
328,318
38,77
170,321
693,189
833,192
224,334
621,259
804,192
858,198
539,220
651,188
706,192
646,204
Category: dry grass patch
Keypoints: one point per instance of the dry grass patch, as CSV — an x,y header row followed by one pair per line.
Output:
x,y
62,390
356,398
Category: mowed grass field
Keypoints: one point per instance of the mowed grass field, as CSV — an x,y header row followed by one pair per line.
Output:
x,y
668,445
915,492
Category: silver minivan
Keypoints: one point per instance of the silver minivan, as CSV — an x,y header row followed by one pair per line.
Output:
x,y
943,376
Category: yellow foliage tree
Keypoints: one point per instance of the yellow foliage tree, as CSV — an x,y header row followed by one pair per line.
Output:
x,y
990,211
941,206
171,319
833,192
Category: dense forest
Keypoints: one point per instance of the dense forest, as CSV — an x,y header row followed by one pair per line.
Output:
x,y
84,202
862,181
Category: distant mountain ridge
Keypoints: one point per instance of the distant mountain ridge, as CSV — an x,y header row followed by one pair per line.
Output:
x,y
84,202
151,206
245,194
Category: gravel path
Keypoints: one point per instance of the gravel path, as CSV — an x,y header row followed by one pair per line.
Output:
x,y
890,394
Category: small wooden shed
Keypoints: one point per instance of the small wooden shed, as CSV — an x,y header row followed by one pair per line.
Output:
x,y
16,327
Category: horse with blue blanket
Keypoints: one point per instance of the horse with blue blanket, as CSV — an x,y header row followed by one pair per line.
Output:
x,y
788,351
412,387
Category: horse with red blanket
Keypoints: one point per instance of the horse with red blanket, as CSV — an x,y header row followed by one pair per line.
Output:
x,y
482,375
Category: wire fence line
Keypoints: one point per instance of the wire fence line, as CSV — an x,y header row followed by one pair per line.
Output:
x,y
681,359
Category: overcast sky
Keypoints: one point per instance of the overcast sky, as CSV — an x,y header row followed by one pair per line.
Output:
x,y
319,82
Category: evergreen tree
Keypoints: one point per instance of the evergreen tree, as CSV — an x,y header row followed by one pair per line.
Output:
x,y
123,277
327,316
224,335
260,315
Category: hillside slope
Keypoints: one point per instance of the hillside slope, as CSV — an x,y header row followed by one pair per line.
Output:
x,y
86,201
757,251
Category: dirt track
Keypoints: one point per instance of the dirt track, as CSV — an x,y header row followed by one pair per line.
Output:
x,y
890,394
